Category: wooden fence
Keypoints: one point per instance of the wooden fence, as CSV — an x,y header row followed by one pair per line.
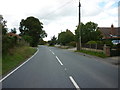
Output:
x,y
93,47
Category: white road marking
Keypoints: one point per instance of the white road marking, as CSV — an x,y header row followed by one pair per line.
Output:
x,y
49,49
59,60
53,53
74,83
18,67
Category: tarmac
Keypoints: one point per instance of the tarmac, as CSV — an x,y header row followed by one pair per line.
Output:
x,y
113,60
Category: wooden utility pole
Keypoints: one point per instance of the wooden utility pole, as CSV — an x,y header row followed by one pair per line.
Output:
x,y
79,28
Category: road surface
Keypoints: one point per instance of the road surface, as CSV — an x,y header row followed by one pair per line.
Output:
x,y
58,68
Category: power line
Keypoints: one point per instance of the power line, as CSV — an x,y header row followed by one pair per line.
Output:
x,y
52,12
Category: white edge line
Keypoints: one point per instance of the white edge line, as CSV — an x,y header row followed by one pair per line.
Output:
x,y
59,60
18,67
74,83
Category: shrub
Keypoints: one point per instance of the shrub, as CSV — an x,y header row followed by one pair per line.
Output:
x,y
91,42
73,44
8,43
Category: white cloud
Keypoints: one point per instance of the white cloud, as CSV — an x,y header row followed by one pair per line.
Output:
x,y
109,4
58,15
103,15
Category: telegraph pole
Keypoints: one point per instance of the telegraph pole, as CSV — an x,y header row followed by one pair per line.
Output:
x,y
79,28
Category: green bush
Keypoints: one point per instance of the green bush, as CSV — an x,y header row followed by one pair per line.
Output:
x,y
99,42
8,43
108,43
27,38
73,44
91,42
94,53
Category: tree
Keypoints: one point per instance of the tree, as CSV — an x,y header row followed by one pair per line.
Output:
x,y
77,32
53,41
42,42
89,32
7,42
4,26
43,34
13,30
65,37
34,28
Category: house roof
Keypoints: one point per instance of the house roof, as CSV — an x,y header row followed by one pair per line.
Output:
x,y
110,32
13,34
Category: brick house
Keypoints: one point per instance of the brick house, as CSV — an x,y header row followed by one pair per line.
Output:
x,y
10,34
13,34
112,33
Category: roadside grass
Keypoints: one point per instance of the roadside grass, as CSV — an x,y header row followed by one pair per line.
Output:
x,y
51,45
94,53
63,47
16,57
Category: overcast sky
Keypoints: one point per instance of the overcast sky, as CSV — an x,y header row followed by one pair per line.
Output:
x,y
59,15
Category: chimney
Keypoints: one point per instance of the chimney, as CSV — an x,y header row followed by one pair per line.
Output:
x,y
112,31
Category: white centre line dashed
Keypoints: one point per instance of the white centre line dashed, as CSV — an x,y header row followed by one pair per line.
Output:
x,y
53,53
59,60
74,83
71,78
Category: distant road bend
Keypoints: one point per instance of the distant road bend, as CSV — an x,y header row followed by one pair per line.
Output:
x,y
58,68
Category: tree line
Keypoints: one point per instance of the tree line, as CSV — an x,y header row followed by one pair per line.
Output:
x,y
31,32
89,32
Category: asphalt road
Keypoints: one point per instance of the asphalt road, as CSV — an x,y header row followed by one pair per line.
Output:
x,y
58,68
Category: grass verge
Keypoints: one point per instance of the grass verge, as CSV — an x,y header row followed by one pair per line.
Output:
x,y
98,54
16,57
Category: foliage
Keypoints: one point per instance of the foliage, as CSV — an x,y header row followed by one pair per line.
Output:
x,y
53,41
13,30
43,34
99,42
65,37
16,57
8,42
27,38
99,54
73,44
77,31
42,42
108,43
89,32
34,28
91,42
4,27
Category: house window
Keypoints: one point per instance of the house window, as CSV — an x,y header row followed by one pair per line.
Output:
x,y
115,42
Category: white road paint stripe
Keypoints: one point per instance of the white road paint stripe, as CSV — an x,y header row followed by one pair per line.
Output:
x,y
48,48
18,67
74,83
53,53
59,60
